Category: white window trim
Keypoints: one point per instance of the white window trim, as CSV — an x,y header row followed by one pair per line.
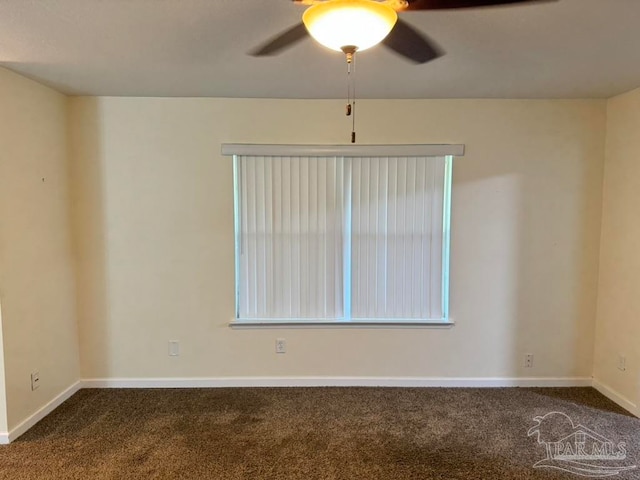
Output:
x,y
451,150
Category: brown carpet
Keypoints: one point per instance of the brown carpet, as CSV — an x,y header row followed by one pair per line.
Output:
x,y
308,433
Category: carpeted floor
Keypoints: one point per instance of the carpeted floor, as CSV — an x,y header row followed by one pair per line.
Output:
x,y
312,433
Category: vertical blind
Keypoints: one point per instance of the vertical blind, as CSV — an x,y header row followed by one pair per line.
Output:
x,y
396,252
291,238
341,238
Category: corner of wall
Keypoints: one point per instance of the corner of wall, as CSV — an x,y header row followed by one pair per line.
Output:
x,y
616,368
35,250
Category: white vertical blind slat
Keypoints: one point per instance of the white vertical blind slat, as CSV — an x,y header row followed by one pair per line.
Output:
x,y
343,204
405,272
426,240
261,230
243,299
422,236
436,260
277,295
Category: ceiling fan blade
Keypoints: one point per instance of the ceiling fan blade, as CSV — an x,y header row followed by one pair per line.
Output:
x,y
451,4
411,44
284,40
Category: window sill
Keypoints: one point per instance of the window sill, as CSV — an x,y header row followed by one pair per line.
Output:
x,y
292,323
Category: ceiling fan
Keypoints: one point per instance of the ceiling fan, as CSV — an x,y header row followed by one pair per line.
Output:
x,y
327,20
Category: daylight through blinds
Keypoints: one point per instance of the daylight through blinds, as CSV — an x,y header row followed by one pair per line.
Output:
x,y
396,240
341,238
291,238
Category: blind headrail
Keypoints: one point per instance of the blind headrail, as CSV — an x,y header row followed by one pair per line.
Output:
x,y
456,150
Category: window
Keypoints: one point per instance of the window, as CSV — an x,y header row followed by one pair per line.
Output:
x,y
342,234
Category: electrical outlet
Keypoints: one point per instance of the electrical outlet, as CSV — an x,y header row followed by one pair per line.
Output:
x,y
35,380
174,348
281,345
528,360
622,363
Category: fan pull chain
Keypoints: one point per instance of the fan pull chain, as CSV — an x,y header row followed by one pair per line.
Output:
x,y
353,103
351,89
348,86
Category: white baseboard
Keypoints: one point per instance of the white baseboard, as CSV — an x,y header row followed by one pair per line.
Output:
x,y
616,397
220,382
30,421
200,382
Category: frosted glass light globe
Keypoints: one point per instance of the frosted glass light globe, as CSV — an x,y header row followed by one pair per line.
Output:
x,y
349,23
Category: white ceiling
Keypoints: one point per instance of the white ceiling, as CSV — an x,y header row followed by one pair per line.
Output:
x,y
568,49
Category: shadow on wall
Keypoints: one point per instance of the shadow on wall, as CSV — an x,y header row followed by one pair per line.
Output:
x,y
90,236
533,219
487,275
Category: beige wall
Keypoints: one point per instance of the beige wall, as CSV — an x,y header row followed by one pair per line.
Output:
x,y
36,271
154,217
618,324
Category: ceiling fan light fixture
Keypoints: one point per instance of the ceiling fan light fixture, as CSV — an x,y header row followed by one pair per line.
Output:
x,y
345,23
